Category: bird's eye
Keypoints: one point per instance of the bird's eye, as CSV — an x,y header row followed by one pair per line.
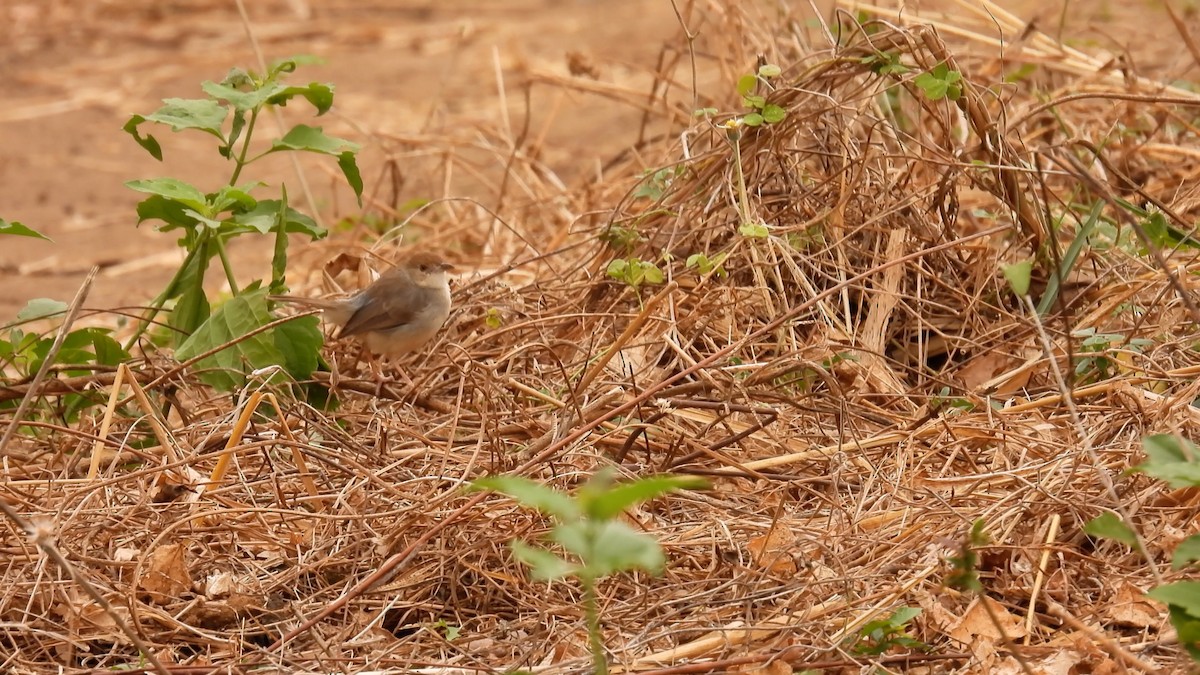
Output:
x,y
424,268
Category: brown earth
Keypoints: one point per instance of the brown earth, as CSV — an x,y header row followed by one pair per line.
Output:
x,y
75,69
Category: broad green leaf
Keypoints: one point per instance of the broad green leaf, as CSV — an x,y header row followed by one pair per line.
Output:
x,y
235,198
349,166
1172,459
746,84
148,142
318,94
545,565
1018,276
239,99
231,322
612,502
174,214
769,70
753,120
202,114
40,308
190,312
752,101
172,189
1109,526
610,546
1186,553
299,344
772,113
19,229
1182,594
617,268
754,230
651,273
264,215
313,139
531,494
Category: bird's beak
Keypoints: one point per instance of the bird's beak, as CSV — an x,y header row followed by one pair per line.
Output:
x,y
447,267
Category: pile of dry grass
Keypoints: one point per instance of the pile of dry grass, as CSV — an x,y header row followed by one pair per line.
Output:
x,y
861,387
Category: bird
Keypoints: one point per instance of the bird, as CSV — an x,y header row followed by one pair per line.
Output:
x,y
396,314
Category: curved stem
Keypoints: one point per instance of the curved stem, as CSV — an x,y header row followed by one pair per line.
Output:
x,y
161,299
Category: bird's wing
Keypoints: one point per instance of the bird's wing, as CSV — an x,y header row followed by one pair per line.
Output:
x,y
392,301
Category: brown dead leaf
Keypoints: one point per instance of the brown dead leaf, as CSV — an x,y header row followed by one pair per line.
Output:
x,y
772,552
980,633
1129,607
167,576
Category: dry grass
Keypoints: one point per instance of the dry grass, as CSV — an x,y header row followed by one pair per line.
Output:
x,y
816,385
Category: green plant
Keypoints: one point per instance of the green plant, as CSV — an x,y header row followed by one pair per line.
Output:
x,y
1177,461
18,229
655,183
634,272
207,220
761,111
22,354
588,529
940,83
883,635
1097,365
705,265
885,63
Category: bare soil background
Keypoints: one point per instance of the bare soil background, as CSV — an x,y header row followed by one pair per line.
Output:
x,y
76,69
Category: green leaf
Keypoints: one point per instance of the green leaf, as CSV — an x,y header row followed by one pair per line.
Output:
x,y
769,70
318,94
232,321
752,101
41,308
610,546
773,114
1018,276
531,494
299,345
1108,525
545,565
651,273
148,142
1182,594
746,84
235,198
349,166
174,214
1172,459
174,190
617,269
191,310
313,139
18,229
263,217
753,120
202,114
754,230
612,502
1186,553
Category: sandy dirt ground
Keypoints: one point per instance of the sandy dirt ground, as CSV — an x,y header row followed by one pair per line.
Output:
x,y
75,69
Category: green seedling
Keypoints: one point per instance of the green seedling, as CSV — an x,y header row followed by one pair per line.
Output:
x,y
634,272
588,529
890,633
940,83
705,266
1177,461
206,220
885,63
762,112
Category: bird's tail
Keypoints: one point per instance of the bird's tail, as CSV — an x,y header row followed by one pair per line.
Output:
x,y
314,303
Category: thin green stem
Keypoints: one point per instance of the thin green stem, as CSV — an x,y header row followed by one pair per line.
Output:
x,y
226,265
592,613
157,303
743,200
241,160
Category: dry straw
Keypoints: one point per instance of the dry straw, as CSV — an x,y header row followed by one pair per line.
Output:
x,y
861,387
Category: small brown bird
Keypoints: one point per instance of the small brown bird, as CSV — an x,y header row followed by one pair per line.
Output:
x,y
402,310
